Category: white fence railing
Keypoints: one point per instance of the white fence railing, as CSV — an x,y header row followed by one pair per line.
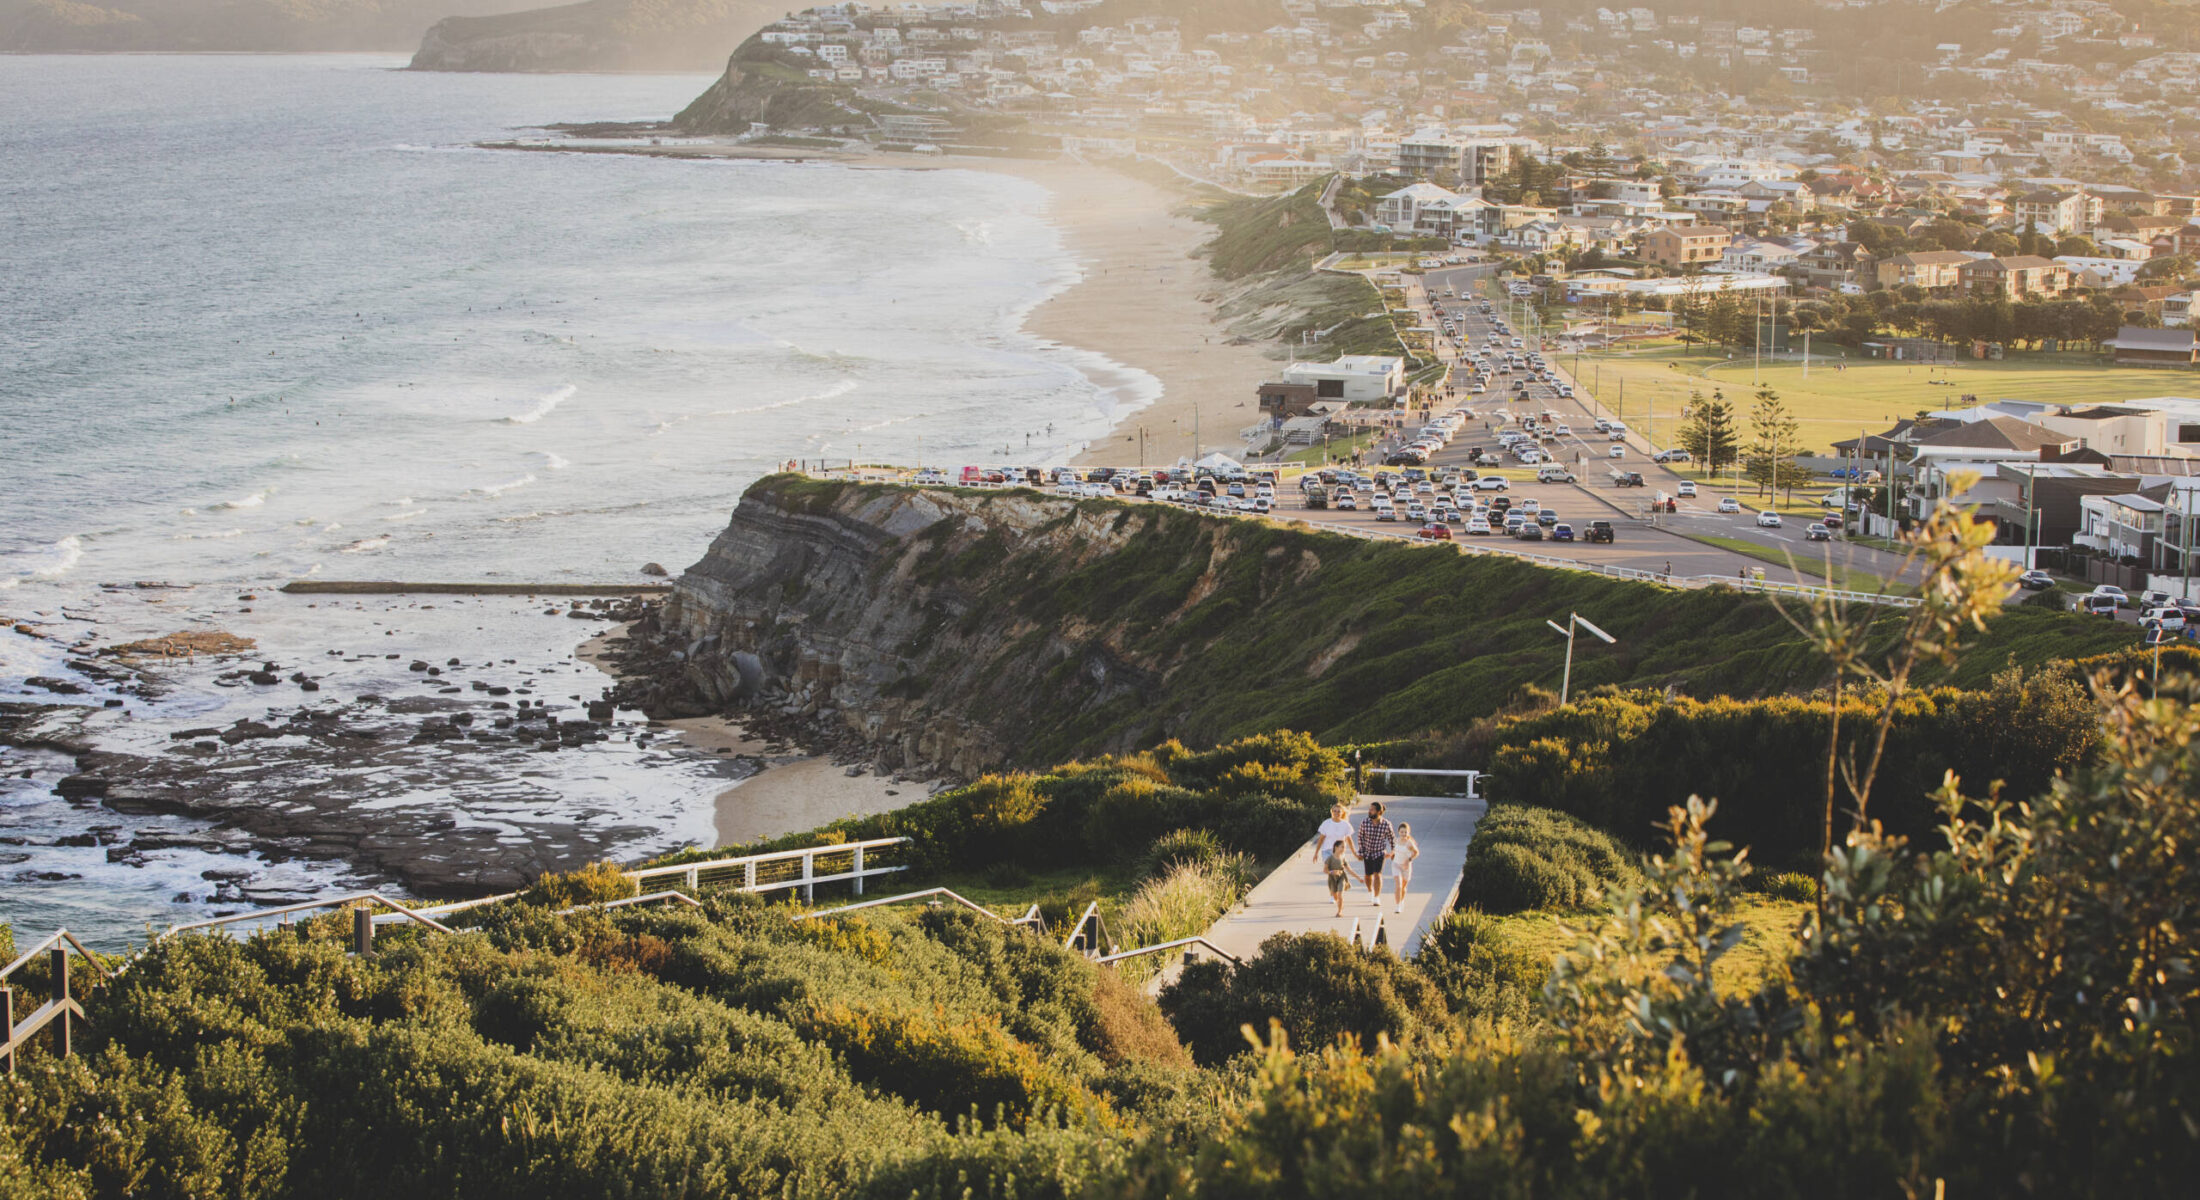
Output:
x,y
846,862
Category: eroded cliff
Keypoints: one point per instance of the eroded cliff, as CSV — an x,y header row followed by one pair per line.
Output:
x,y
966,630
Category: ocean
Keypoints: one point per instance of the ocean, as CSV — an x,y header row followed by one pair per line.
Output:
x,y
274,317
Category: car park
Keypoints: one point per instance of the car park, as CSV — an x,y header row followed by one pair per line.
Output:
x,y
1768,520
1730,505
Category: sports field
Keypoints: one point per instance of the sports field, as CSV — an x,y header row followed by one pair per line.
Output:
x,y
1650,387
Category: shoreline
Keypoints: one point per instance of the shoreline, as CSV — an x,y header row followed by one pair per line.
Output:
x,y
1143,303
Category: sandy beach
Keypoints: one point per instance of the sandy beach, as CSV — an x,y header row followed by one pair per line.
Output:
x,y
1146,303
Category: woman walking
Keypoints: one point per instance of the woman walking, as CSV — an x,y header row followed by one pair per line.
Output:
x,y
1335,829
1402,864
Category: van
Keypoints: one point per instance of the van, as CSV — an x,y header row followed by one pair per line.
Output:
x,y
1553,473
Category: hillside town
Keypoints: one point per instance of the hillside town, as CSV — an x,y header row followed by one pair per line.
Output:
x,y
2036,149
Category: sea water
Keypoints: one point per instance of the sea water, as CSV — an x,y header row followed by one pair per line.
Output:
x,y
266,318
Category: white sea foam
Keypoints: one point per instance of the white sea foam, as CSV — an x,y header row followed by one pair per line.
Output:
x,y
552,461
407,515
544,405
498,489
363,545
254,500
834,392
43,562
207,537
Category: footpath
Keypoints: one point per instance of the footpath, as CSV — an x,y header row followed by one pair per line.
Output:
x,y
1295,896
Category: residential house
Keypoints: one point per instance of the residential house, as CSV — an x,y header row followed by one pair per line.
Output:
x,y
1757,256
1688,246
1841,266
2056,212
2022,277
1933,270
1401,210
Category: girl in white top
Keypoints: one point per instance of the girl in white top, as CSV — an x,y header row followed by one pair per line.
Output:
x,y
1402,860
1333,830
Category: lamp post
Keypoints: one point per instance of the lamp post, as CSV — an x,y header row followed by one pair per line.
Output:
x,y
1574,620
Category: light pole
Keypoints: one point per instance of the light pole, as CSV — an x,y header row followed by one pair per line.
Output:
x,y
1566,681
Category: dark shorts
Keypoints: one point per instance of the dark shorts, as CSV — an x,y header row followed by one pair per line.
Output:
x,y
1372,866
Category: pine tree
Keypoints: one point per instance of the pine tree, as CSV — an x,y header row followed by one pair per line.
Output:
x,y
1709,435
1777,439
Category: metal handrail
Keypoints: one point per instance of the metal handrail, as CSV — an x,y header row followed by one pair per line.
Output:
x,y
56,936
285,910
938,891
651,898
1092,916
746,859
1158,947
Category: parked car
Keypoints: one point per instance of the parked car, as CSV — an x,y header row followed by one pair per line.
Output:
x,y
1434,532
2166,617
1768,520
1730,505
1599,531
1530,532
1492,483
1478,526
1345,500
1546,518
2156,598
2035,581
1562,533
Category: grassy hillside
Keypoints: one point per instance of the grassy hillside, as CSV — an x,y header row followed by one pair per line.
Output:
x,y
1237,627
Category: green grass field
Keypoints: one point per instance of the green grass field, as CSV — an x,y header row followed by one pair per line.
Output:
x,y
1649,387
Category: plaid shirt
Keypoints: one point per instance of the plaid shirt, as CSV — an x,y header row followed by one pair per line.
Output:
x,y
1376,837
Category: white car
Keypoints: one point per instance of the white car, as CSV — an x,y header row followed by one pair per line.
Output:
x,y
1616,452
1531,505
1768,520
2112,592
1478,527
1688,487
1730,505
1492,483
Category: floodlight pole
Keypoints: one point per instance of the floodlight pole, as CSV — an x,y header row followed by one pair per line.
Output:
x,y
1573,620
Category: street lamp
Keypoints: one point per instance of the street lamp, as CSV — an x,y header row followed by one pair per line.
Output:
x,y
1566,681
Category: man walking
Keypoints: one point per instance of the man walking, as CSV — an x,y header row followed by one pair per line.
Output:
x,y
1374,842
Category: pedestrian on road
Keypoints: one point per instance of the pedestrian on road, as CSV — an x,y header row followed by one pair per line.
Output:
x,y
1335,829
1408,850
1340,874
1375,842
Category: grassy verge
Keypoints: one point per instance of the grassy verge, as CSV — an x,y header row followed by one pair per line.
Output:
x,y
1852,578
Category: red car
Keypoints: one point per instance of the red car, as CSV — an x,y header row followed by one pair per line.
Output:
x,y
1435,533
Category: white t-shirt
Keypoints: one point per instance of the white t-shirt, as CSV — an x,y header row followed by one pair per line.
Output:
x,y
1333,831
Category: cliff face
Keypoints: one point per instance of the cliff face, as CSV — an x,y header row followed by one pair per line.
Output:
x,y
972,630
598,35
225,25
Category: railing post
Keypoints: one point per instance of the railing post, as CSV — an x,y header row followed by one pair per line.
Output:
x,y
809,872
695,880
362,931
858,870
748,876
60,961
7,1012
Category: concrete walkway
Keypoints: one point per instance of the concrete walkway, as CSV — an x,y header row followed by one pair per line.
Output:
x,y
1295,897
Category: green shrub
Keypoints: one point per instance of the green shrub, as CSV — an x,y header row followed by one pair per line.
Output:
x,y
1525,858
1315,985
1267,827
592,884
1791,885
1127,818
1179,847
1478,974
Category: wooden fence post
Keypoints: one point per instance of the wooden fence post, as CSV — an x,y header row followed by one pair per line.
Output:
x,y
60,961
362,931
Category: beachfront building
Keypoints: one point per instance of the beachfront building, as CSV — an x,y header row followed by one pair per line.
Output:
x,y
1354,379
1684,247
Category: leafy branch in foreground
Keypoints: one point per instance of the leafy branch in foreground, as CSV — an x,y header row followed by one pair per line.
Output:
x,y
1959,586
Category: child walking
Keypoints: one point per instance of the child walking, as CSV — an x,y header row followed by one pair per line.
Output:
x,y
1402,862
1340,874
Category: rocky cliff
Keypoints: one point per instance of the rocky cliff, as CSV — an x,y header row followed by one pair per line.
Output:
x,y
44,26
598,35
967,630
